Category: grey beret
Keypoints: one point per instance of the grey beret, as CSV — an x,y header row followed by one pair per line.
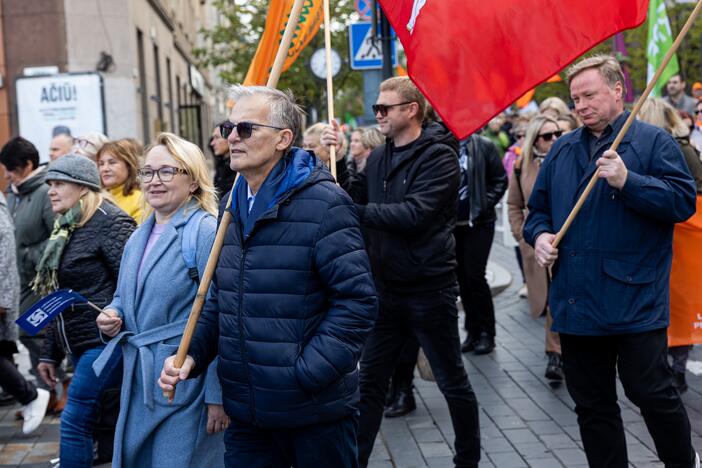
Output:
x,y
75,168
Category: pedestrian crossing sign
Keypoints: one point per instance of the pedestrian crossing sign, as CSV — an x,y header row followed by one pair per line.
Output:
x,y
365,50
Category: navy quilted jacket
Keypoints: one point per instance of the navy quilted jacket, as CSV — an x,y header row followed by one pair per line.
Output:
x,y
291,304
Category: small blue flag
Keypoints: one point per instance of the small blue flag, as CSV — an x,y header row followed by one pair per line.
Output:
x,y
43,311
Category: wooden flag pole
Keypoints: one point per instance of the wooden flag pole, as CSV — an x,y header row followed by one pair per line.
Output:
x,y
668,56
330,85
204,286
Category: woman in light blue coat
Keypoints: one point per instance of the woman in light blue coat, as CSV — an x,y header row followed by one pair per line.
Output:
x,y
161,266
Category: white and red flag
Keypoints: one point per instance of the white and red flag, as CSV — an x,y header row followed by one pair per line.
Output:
x,y
473,58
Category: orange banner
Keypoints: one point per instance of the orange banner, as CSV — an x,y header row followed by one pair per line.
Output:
x,y
526,98
311,18
685,291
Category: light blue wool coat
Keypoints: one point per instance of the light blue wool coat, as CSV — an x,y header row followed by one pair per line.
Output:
x,y
149,431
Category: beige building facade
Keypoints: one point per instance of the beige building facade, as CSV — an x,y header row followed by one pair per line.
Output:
x,y
142,49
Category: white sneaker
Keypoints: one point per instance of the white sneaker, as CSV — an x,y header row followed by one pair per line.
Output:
x,y
523,293
697,460
34,411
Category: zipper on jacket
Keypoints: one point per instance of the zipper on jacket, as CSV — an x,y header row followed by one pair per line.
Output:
x,y
242,341
62,334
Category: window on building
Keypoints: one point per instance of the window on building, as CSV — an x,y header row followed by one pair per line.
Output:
x,y
169,79
142,88
158,97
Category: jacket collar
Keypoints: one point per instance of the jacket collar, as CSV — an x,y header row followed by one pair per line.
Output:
x,y
295,171
32,182
165,242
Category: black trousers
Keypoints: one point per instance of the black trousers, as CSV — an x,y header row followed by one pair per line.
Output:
x,y
591,364
11,379
472,251
432,319
404,371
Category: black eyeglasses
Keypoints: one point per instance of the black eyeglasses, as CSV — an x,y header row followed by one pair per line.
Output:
x,y
698,111
383,108
548,136
165,173
243,129
520,135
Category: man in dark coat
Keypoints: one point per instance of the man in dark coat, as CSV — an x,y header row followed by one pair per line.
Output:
x,y
407,199
483,182
224,176
292,299
610,291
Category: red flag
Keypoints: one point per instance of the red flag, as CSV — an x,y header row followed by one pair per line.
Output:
x,y
473,58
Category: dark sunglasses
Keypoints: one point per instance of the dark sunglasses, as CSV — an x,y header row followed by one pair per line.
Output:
x,y
520,135
698,111
243,129
384,108
548,136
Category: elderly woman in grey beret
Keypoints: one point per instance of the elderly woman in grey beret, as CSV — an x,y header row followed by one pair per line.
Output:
x,y
83,254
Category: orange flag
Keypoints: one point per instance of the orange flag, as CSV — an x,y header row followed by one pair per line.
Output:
x,y
311,18
685,292
526,98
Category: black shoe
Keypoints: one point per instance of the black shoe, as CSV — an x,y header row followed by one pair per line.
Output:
x,y
554,368
403,404
468,345
679,381
391,396
485,344
6,399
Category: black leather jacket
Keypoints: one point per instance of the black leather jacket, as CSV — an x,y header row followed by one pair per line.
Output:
x,y
483,181
90,266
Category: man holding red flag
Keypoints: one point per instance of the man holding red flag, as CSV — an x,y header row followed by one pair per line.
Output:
x,y
611,273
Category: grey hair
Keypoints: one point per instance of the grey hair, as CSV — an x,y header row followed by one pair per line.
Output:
x,y
285,113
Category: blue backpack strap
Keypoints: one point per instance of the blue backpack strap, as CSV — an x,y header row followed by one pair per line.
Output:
x,y
189,243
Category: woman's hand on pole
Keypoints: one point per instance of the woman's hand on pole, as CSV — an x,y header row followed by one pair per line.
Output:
x,y
171,375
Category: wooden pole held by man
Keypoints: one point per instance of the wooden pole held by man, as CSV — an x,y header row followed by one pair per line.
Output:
x,y
591,184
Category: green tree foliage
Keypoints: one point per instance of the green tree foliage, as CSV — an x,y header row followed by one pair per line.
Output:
x,y
231,45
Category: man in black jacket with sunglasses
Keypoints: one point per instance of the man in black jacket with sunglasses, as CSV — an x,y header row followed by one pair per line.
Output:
x,y
407,199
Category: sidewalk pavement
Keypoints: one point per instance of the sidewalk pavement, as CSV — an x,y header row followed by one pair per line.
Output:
x,y
525,422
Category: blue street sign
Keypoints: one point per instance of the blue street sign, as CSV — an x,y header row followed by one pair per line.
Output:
x,y
365,50
364,9
43,311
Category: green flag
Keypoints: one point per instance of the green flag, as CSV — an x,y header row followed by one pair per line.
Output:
x,y
660,40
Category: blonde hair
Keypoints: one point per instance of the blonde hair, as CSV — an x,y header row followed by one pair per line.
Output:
x,y
90,202
656,111
554,103
316,130
403,86
96,139
607,65
532,133
190,157
371,137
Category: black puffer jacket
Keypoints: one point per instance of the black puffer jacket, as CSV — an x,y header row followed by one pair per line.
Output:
x,y
89,266
408,211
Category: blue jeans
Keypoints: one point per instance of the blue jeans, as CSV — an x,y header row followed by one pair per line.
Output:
x,y
82,407
315,446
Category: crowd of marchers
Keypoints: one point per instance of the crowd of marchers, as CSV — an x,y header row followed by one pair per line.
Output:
x,y
326,289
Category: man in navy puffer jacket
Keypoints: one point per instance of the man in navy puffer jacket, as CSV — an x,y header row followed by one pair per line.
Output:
x,y
292,300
